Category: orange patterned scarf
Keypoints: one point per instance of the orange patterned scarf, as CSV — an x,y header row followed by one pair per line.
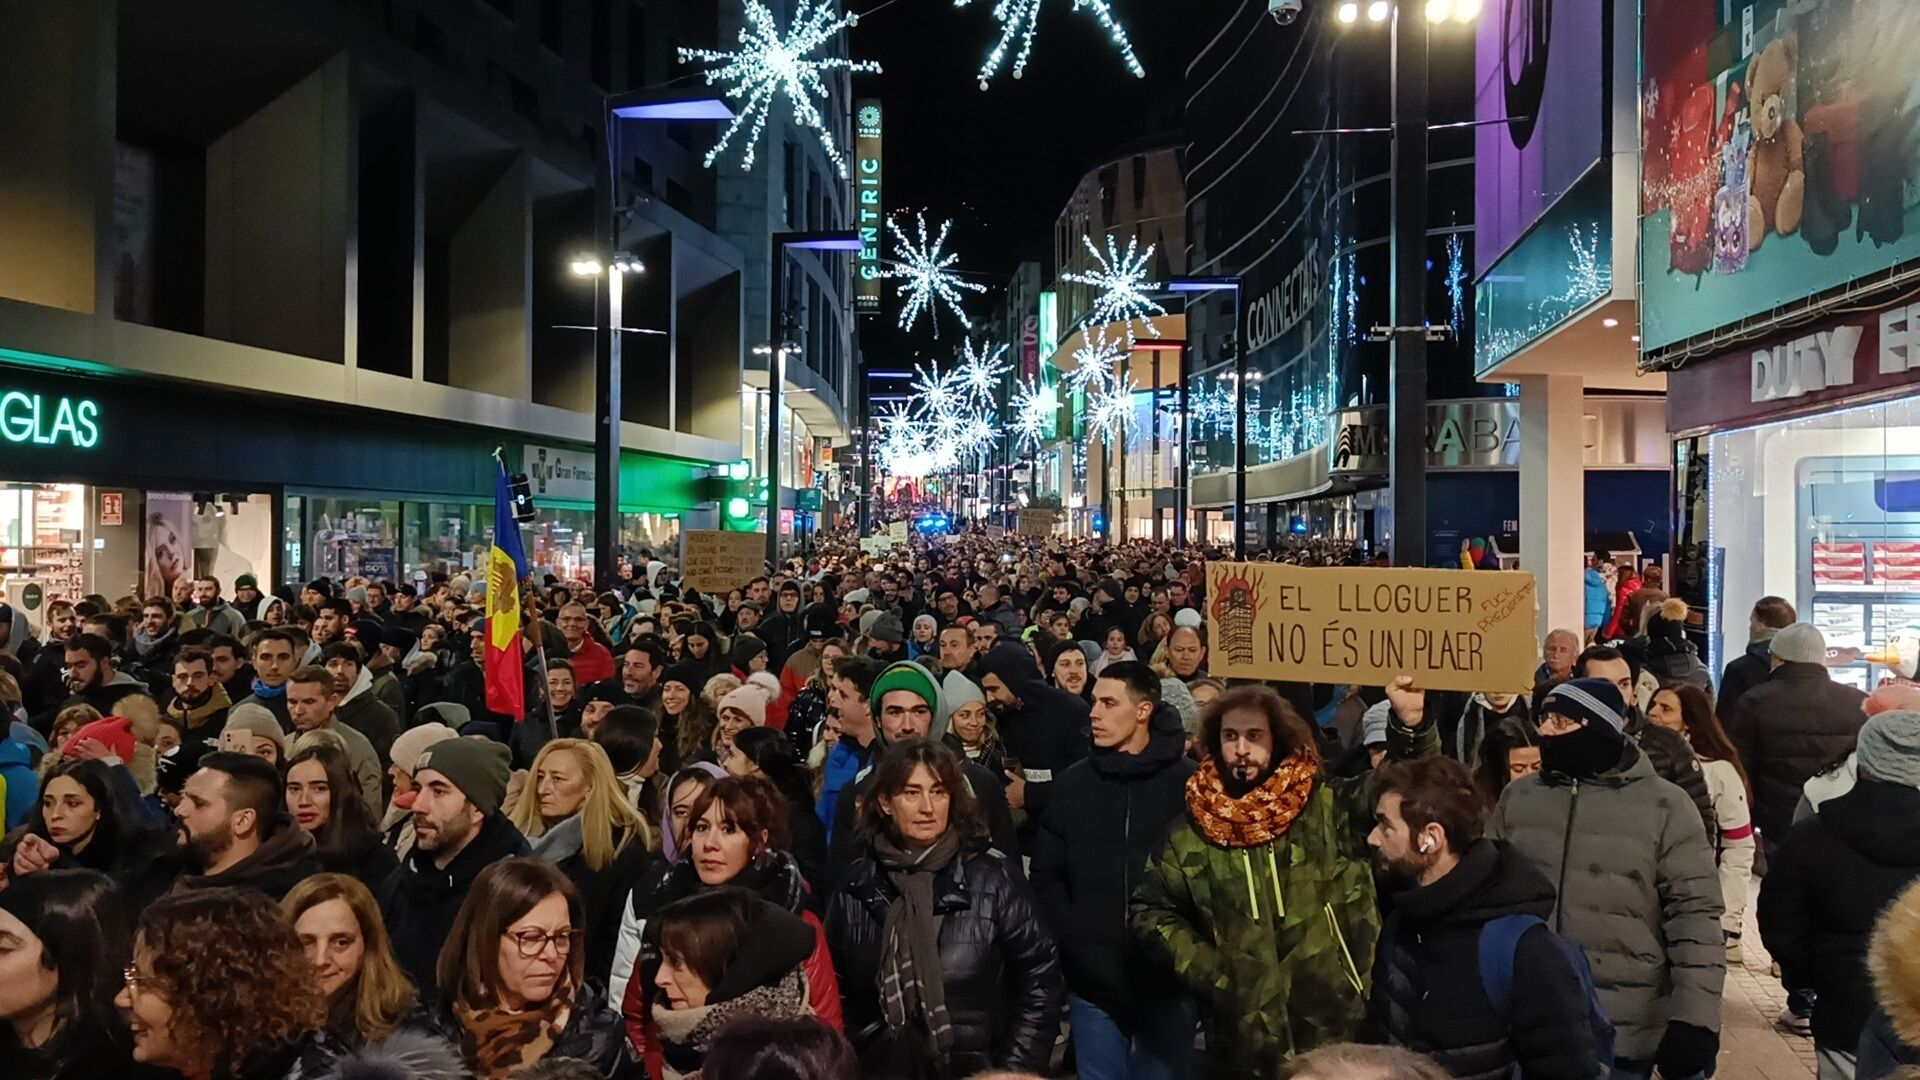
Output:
x,y
1258,817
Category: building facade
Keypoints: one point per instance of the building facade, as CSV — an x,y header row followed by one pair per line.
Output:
x,y
305,267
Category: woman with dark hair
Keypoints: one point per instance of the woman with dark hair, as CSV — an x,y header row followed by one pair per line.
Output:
x,y
512,975
220,986
1509,750
1689,711
736,835
686,720
81,823
63,946
944,923
725,958
325,800
797,1049
339,926
765,752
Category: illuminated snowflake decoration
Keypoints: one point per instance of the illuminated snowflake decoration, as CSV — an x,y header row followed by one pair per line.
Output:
x,y
929,279
1124,288
1021,18
1034,410
769,65
980,372
937,393
1093,360
1110,412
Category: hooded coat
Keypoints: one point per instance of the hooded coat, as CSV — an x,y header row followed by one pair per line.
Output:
x,y
1109,814
1787,729
1637,888
1892,1038
419,899
1825,887
769,975
363,711
1429,993
1599,601
1046,730
283,860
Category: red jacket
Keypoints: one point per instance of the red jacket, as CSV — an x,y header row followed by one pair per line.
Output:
x,y
592,663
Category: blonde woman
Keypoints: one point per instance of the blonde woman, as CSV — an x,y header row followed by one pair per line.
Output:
x,y
346,941
574,812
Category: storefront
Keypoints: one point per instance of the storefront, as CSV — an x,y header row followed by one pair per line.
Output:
x,y
125,486
1797,469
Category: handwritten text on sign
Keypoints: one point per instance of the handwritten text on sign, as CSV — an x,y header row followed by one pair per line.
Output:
x,y
1449,629
718,561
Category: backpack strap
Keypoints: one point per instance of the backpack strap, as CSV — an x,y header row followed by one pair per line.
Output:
x,y
1499,940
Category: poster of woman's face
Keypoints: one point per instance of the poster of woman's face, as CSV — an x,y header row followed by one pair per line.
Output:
x,y
168,556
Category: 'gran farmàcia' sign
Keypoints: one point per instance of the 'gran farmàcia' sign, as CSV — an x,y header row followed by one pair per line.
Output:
x,y
1448,629
28,419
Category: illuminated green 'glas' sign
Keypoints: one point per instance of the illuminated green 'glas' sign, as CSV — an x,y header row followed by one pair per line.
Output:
x,y
38,420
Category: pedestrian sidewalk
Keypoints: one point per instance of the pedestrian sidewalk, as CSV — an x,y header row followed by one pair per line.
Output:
x,y
1751,1047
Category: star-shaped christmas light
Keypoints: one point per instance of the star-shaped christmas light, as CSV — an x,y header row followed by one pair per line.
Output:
x,y
1093,361
769,64
1110,407
980,372
1125,293
1021,18
1034,409
929,279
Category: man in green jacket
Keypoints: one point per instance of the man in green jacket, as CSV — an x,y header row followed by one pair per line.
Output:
x,y
1261,900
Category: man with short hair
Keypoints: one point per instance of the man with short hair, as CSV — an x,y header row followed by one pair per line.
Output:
x,y
1448,888
199,702
1637,888
358,707
458,831
591,660
210,611
155,641
376,604
1108,813
994,610
235,830
956,649
1769,616
230,667
986,634
91,679
330,621
312,697
1669,751
276,653
847,691
1557,653
642,661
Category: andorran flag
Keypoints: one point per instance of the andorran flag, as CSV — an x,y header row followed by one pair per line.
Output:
x,y
506,565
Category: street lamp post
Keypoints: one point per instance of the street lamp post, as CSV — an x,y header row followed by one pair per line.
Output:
x,y
1204,285
647,106
835,240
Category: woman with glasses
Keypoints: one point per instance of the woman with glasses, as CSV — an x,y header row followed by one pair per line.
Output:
x,y
220,986
512,975
929,913
63,948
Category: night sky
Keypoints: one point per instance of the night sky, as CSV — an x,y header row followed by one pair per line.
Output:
x,y
1002,162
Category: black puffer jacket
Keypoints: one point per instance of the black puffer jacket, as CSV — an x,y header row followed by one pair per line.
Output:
x,y
1428,992
419,900
1673,760
1743,673
1047,731
998,964
1793,725
1832,876
594,1034
1108,814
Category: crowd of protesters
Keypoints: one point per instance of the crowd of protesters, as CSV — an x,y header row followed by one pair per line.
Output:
x,y
975,806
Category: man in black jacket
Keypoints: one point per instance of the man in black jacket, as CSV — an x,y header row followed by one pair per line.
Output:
x,y
1108,814
1770,615
458,831
1792,726
1668,751
1043,727
1444,882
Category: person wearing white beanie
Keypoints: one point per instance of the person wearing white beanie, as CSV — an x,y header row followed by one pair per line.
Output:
x,y
396,825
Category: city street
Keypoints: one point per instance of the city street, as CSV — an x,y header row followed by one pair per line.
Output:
x,y
1751,1046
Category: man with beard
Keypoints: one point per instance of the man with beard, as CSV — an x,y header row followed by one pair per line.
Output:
x,y
199,702
642,662
1044,727
312,697
235,830
359,706
1260,901
458,831
1107,815
155,641
275,652
91,679
210,611
230,667
330,621
1459,899
1637,885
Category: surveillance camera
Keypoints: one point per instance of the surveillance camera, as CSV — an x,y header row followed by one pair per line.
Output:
x,y
1285,12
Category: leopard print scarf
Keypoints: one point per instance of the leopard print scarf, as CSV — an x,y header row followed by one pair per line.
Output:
x,y
1258,817
498,1041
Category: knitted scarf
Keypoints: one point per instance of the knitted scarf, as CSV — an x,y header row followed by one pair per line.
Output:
x,y
498,1041
686,1034
910,979
1258,817
196,716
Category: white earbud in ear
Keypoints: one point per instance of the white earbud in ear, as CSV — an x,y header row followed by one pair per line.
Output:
x,y
1426,845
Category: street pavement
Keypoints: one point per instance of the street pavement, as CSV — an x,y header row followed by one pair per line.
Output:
x,y
1751,1047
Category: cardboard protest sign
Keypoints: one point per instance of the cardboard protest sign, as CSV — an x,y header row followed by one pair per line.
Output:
x,y
1038,522
717,561
1448,629
876,545
897,532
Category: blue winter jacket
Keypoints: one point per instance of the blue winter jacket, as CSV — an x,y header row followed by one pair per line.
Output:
x,y
1599,599
21,784
843,764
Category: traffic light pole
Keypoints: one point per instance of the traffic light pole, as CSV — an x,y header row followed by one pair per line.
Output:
x,y
1407,384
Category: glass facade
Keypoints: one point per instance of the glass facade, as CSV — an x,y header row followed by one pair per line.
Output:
x,y
1823,511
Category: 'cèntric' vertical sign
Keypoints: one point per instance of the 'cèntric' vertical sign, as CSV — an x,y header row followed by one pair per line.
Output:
x,y
870,215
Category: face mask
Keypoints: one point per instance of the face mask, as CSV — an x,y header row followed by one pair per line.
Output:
x,y
1584,752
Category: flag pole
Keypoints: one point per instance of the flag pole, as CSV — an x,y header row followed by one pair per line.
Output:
x,y
540,639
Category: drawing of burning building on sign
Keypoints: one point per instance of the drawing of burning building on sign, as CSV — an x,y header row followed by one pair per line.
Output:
x,y
1233,610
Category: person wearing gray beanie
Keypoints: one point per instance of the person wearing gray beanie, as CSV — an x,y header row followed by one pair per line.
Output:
x,y
1889,749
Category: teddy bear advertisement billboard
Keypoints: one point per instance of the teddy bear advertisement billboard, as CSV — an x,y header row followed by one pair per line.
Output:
x,y
1782,155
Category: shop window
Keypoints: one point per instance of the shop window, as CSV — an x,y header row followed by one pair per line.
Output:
x,y
352,537
560,542
446,538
